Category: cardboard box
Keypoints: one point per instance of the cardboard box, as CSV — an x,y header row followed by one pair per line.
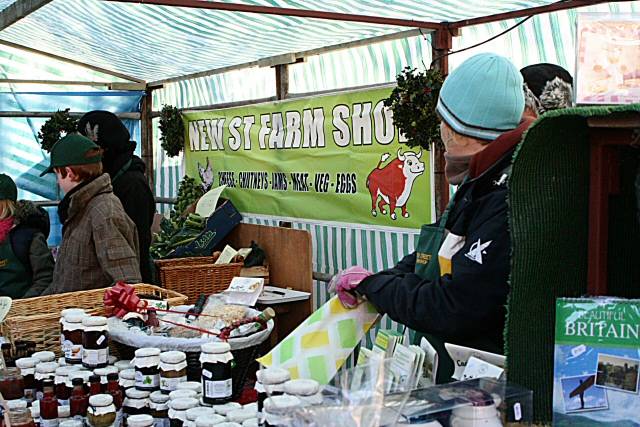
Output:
x,y
225,218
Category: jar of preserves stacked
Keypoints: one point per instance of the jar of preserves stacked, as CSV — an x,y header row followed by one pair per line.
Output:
x,y
71,338
95,342
173,370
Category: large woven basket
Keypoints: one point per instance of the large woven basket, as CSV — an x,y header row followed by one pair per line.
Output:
x,y
196,275
37,319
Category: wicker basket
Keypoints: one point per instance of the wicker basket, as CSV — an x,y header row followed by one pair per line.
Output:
x,y
43,328
196,275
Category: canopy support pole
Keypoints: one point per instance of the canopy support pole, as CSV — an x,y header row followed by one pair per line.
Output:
x,y
146,136
441,45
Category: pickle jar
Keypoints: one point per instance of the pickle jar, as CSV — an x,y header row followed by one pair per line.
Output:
x,y
71,338
159,405
173,370
27,366
147,367
101,411
95,342
126,379
178,410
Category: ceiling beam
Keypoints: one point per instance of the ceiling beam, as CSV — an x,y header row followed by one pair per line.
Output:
x,y
553,7
71,61
287,11
18,10
297,55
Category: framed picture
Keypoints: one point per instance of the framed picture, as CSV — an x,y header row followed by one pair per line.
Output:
x,y
608,59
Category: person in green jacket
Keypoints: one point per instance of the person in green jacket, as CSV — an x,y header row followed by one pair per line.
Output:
x,y
26,263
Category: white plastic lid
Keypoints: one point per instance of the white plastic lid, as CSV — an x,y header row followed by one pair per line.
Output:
x,y
64,371
181,394
173,357
210,420
215,347
159,397
281,404
190,385
301,387
26,362
183,404
147,352
17,404
123,364
194,413
46,367
127,374
64,411
74,317
44,356
140,420
94,321
101,372
134,393
67,311
240,415
100,400
112,370
270,376
227,407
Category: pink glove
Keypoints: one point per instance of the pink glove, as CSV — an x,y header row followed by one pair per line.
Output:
x,y
345,282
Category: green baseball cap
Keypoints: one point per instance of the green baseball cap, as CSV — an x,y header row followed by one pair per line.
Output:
x,y
72,150
8,189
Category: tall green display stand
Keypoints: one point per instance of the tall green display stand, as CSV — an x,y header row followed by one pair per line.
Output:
x,y
574,229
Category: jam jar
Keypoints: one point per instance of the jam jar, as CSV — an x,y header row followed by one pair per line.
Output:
x,y
21,417
101,411
173,370
63,384
147,366
71,338
136,402
141,420
103,373
159,405
178,410
95,342
27,366
217,383
126,379
44,371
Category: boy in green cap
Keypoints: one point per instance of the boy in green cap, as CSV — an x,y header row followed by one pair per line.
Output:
x,y
26,264
99,241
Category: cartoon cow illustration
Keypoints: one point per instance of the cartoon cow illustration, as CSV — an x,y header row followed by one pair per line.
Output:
x,y
392,184
206,175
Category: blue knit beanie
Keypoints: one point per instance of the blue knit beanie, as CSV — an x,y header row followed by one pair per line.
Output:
x,y
483,97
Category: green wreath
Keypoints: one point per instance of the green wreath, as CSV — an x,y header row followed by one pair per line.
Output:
x,y
413,103
172,131
59,125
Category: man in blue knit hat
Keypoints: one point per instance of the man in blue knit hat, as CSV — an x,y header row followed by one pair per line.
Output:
x,y
454,287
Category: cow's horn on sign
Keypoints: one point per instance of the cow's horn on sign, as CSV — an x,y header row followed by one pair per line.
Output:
x,y
419,154
400,156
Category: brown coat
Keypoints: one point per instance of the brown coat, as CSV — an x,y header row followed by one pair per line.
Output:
x,y
99,242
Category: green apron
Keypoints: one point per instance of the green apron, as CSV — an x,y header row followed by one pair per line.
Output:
x,y
14,277
427,267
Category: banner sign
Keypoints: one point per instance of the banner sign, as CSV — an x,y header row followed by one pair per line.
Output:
x,y
326,158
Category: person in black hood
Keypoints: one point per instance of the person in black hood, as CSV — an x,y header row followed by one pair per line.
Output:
x,y
127,176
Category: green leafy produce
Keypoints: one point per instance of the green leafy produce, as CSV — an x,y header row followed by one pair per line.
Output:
x,y
189,192
174,234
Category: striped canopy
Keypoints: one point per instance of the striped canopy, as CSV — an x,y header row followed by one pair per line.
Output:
x,y
153,43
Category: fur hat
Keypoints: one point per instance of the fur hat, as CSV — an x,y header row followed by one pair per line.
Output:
x,y
547,87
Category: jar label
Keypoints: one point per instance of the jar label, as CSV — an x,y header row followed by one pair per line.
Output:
x,y
100,340
161,422
72,351
147,381
171,384
218,389
48,423
29,394
95,357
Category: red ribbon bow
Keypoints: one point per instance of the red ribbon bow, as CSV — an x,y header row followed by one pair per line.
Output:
x,y
122,299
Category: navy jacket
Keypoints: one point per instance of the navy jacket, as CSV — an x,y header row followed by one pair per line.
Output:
x,y
467,306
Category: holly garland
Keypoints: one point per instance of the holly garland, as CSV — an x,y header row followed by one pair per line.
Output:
x,y
59,125
172,131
